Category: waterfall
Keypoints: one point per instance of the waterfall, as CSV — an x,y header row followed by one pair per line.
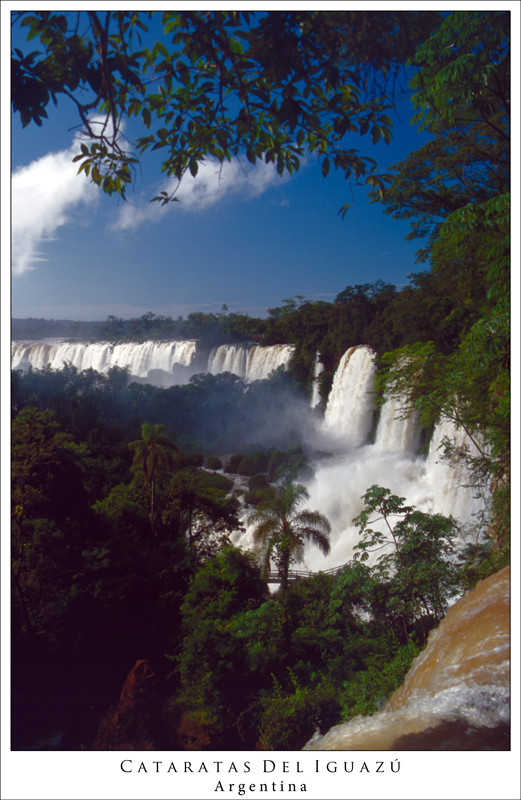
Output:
x,y
451,483
347,465
349,411
337,488
251,363
395,431
318,369
340,480
228,358
429,484
456,693
161,363
169,362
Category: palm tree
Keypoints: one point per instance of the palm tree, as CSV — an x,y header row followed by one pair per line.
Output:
x,y
153,454
283,529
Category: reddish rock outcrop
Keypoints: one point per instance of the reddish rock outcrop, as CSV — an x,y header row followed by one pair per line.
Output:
x,y
127,725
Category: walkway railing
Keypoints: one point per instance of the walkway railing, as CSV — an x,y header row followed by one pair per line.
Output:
x,y
296,574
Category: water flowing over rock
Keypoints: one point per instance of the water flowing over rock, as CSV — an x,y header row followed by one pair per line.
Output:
x,y
392,460
341,479
159,363
318,369
355,463
253,363
396,431
349,411
141,359
456,694
453,490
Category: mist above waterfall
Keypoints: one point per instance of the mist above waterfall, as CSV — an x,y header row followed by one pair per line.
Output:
x,y
345,463
231,405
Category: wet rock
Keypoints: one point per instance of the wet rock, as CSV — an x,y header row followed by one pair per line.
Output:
x,y
456,695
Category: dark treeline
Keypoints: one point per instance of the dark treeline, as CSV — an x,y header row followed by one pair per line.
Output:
x,y
213,414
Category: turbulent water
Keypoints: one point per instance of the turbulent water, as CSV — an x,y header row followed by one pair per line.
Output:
x,y
391,460
143,360
360,456
349,411
318,369
456,693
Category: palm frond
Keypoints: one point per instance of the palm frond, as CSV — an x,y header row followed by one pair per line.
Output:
x,y
319,539
312,519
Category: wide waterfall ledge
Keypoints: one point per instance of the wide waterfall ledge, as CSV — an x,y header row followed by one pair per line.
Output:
x,y
159,363
339,480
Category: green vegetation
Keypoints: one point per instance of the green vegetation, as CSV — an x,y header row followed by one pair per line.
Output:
x,y
283,529
270,86
100,581
121,540
266,673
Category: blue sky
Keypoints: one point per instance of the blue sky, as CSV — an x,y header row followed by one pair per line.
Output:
x,y
248,240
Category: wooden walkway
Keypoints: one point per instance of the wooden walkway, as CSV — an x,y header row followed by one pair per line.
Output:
x,y
296,574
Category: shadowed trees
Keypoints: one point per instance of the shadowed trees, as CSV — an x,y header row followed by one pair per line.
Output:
x,y
153,455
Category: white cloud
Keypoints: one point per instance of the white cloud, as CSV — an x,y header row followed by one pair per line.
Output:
x,y
212,183
44,196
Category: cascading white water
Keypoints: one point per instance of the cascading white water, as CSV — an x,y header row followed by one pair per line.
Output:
x,y
253,363
141,359
349,411
318,369
456,693
228,358
453,493
340,480
162,363
396,432
336,491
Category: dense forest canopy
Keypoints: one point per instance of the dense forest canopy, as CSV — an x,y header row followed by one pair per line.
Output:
x,y
118,511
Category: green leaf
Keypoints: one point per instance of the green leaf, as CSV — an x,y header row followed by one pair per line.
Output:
x,y
124,175
325,166
376,133
161,48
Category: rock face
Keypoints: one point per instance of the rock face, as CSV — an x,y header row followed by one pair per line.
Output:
x,y
128,724
456,694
